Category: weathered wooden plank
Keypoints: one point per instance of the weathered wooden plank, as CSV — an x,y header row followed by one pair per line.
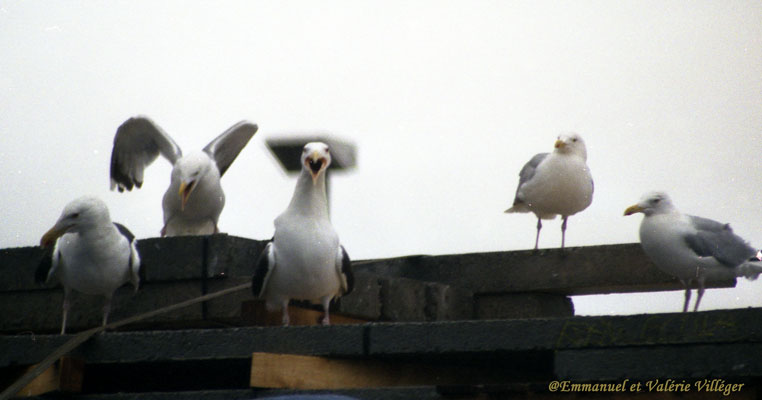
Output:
x,y
463,339
620,268
474,337
688,362
253,312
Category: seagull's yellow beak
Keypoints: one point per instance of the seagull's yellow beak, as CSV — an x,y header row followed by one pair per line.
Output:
x,y
559,143
50,237
315,163
633,209
185,191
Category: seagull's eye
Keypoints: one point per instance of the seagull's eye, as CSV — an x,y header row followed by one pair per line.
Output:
x,y
656,200
74,215
574,139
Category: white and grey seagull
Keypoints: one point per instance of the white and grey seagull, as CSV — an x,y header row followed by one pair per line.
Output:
x,y
304,260
194,200
557,183
693,249
91,254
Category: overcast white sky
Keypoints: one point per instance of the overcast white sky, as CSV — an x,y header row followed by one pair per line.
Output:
x,y
445,100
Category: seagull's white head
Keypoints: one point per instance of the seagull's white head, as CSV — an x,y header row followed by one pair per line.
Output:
x,y
189,171
651,203
571,143
315,159
79,215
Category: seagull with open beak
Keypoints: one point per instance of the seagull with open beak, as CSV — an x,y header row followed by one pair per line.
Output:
x,y
305,259
317,162
91,254
194,200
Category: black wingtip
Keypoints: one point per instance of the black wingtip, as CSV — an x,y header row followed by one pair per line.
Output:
x,y
43,268
125,232
261,268
346,269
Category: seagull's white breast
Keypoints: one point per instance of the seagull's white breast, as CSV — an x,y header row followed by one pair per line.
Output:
x,y
94,266
305,258
561,185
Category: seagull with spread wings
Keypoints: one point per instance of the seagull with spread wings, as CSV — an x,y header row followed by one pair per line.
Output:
x,y
194,200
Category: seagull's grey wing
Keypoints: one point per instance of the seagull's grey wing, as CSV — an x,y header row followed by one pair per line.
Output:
x,y
137,143
344,269
714,239
134,263
225,148
263,269
527,172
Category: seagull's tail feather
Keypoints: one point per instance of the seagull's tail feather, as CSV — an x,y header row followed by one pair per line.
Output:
x,y
750,269
517,208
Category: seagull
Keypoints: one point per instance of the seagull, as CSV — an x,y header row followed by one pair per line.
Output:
x,y
91,254
557,183
194,200
304,260
692,248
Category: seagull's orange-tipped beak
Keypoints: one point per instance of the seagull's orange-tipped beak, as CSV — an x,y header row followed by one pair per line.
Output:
x,y
633,209
559,143
185,192
315,164
50,237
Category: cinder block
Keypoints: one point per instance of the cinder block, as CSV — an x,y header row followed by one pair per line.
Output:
x,y
86,311
171,258
17,267
365,299
448,303
523,305
157,295
402,300
35,311
227,307
412,300
232,255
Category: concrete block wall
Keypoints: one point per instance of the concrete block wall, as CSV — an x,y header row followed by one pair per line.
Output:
x,y
176,269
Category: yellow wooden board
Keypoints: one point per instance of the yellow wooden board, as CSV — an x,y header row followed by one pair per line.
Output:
x,y
289,371
66,376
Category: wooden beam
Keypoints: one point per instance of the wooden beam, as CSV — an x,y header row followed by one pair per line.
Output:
x,y
290,371
619,268
253,312
65,376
